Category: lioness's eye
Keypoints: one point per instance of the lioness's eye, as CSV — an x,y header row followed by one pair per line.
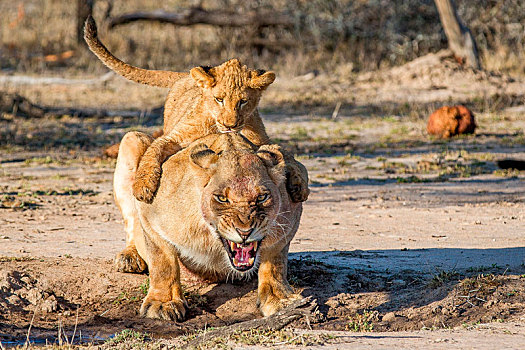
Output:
x,y
243,102
219,100
221,198
262,197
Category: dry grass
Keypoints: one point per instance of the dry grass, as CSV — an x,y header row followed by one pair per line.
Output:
x,y
330,35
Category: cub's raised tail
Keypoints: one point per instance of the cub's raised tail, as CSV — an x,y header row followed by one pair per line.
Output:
x,y
158,78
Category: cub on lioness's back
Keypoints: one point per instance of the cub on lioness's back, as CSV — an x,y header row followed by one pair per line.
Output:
x,y
204,101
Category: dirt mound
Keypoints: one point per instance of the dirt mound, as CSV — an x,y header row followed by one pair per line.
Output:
x,y
21,292
438,77
89,295
432,80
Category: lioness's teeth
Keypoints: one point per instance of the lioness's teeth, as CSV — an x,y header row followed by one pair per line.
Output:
x,y
235,261
232,245
255,244
251,260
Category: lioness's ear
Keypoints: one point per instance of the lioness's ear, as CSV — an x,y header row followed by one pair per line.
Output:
x,y
260,79
202,77
271,155
203,157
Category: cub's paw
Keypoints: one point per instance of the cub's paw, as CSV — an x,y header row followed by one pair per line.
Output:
x,y
272,303
146,183
297,186
173,310
129,260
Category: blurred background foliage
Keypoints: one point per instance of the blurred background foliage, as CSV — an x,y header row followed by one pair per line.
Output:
x,y
327,35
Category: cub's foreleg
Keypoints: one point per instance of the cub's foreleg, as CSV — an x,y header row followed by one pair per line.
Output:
x,y
296,179
150,167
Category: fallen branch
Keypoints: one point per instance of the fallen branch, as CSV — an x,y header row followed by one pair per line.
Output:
x,y
294,311
18,105
21,106
198,15
101,113
27,80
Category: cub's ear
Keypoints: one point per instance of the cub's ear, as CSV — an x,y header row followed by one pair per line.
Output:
x,y
261,80
271,155
203,157
202,77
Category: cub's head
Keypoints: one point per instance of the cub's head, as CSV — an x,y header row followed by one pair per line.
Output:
x,y
231,92
241,201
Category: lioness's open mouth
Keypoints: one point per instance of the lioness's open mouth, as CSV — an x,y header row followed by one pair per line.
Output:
x,y
242,256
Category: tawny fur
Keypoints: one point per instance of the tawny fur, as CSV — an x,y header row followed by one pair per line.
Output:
x,y
205,101
450,121
184,222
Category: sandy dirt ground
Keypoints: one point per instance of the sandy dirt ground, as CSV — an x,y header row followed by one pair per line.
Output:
x,y
405,241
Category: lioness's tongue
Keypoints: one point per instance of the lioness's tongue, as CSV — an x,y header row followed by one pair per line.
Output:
x,y
243,254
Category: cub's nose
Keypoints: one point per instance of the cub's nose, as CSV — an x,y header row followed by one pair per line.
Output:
x,y
231,125
244,233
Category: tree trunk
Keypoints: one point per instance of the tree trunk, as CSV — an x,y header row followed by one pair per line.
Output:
x,y
460,39
84,9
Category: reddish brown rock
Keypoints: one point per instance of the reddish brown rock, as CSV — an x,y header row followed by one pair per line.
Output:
x,y
449,121
112,151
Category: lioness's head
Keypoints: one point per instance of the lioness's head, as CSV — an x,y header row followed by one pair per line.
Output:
x,y
241,201
231,92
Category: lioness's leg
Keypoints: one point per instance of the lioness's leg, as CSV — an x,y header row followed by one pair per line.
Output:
x,y
148,173
296,179
132,147
164,299
274,290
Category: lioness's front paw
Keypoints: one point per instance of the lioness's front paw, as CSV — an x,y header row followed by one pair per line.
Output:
x,y
297,186
272,304
145,185
173,310
129,260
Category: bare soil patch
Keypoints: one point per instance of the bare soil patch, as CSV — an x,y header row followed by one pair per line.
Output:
x,y
402,232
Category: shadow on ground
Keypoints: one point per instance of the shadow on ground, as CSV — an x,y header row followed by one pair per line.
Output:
x,y
355,290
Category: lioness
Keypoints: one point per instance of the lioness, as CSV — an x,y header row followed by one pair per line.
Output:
x,y
221,210
205,101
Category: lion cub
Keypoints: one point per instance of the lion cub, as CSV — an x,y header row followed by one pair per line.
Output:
x,y
205,101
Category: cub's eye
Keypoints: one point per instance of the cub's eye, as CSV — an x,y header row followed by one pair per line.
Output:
x,y
221,199
243,102
219,100
262,198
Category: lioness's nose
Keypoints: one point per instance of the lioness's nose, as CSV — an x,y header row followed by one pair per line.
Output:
x,y
244,233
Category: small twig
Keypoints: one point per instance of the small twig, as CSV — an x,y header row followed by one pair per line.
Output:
x,y
60,333
336,110
65,336
75,330
105,312
31,325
